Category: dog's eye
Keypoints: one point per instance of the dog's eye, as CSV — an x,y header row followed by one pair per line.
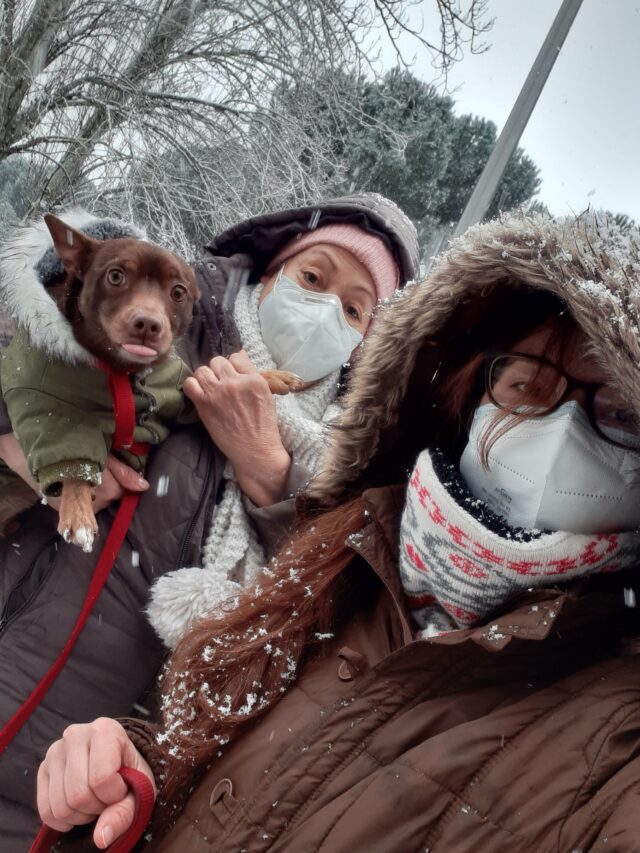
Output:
x,y
178,293
115,277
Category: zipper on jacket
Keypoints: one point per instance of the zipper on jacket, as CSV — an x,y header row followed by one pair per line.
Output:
x,y
152,407
186,541
6,620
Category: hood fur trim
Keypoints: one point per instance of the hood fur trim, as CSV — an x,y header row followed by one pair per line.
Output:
x,y
25,296
588,262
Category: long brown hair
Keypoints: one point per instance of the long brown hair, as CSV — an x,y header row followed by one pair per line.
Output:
x,y
233,666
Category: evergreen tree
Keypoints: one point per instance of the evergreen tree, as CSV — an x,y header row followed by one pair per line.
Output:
x,y
407,142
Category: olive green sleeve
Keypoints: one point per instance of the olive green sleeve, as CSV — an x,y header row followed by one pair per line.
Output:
x,y
60,414
61,441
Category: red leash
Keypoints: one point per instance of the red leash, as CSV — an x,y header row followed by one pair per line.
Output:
x,y
124,411
142,790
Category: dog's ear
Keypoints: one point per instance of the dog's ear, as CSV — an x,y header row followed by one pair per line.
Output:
x,y
74,248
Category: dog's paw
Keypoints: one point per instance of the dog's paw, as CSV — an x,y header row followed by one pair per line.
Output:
x,y
283,382
77,524
83,537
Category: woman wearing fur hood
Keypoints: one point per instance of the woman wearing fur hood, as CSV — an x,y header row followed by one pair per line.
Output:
x,y
217,503
444,657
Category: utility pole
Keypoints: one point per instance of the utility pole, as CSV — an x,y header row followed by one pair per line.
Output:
x,y
512,131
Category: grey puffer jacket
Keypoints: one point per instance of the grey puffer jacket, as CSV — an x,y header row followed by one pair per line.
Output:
x,y
43,581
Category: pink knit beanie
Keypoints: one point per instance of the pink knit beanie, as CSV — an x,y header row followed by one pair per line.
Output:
x,y
367,248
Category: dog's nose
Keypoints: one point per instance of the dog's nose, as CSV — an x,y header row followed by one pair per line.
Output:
x,y
146,325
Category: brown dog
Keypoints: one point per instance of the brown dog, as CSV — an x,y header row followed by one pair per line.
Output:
x,y
126,301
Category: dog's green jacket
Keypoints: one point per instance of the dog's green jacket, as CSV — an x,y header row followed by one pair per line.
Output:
x,y
63,417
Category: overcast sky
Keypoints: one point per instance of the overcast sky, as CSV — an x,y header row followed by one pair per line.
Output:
x,y
584,133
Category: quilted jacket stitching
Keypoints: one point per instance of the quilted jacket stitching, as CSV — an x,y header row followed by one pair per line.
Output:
x,y
494,760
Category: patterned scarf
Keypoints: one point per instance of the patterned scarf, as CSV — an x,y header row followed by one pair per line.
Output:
x,y
459,562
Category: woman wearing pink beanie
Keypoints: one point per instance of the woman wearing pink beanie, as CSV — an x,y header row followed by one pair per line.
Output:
x,y
368,249
301,287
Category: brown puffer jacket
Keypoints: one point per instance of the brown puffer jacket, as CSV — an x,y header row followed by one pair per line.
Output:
x,y
43,580
522,734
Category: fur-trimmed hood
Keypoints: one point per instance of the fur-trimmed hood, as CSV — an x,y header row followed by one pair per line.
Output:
x,y
28,264
588,262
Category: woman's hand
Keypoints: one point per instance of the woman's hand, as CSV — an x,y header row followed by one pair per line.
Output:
x,y
116,477
79,780
236,406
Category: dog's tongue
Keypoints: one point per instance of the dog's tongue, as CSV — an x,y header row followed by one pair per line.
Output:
x,y
139,349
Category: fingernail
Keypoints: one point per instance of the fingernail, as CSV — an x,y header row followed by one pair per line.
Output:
x,y
144,484
107,836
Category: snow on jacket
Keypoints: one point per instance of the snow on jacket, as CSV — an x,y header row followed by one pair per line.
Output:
x,y
56,397
62,414
43,580
520,734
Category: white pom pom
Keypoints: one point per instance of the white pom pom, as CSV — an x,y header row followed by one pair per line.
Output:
x,y
179,597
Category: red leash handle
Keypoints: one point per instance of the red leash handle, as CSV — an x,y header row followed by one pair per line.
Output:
x,y
142,790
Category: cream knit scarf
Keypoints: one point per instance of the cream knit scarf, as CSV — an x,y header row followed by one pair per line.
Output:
x,y
459,562
232,555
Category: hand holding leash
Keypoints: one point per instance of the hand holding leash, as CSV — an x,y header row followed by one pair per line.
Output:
x,y
143,795
95,771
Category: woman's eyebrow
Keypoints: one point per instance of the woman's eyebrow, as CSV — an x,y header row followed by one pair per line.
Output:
x,y
364,289
356,285
328,258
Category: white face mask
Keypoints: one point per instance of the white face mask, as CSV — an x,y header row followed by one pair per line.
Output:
x,y
305,332
554,473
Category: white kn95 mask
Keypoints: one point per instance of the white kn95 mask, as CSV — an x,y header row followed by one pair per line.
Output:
x,y
555,473
305,332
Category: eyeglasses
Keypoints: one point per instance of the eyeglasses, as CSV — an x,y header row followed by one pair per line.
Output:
x,y
533,386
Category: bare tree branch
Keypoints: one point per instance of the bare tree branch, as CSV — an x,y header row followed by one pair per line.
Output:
x,y
173,100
